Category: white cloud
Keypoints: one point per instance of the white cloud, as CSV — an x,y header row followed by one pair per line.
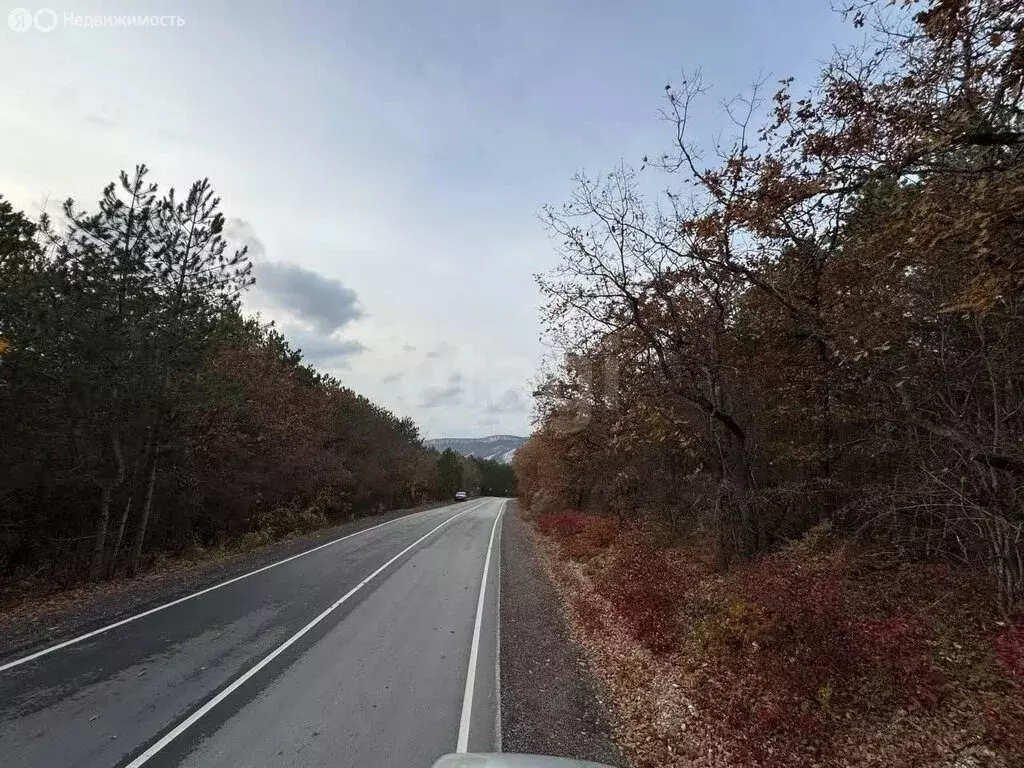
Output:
x,y
451,393
391,157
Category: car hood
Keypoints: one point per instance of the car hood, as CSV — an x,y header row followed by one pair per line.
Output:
x,y
507,760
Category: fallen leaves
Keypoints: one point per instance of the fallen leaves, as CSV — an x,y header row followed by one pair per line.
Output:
x,y
799,659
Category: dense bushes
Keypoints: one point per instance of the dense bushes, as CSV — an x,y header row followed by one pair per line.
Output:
x,y
817,655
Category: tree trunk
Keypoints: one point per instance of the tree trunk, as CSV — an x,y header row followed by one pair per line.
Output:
x,y
140,531
106,492
738,535
100,540
823,395
1005,543
723,533
120,533
128,507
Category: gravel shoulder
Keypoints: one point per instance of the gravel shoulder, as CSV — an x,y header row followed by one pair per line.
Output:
x,y
551,704
29,621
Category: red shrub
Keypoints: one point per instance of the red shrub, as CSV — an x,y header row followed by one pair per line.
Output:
x,y
640,585
796,643
1010,649
581,536
563,524
787,656
898,667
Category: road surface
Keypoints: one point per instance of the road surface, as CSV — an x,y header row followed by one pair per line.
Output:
x,y
378,649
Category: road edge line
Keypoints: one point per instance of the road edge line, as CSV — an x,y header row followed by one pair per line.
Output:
x,y
497,639
164,606
462,743
192,719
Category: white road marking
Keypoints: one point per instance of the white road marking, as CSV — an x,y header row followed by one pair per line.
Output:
x,y
172,603
497,641
474,649
203,710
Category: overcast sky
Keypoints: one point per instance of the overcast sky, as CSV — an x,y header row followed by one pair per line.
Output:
x,y
385,161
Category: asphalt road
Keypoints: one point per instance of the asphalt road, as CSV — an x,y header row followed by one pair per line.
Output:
x,y
359,653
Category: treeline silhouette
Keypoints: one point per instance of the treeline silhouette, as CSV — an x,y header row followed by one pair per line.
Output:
x,y
141,414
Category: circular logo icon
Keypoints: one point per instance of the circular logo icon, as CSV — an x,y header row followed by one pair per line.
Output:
x,y
45,20
20,20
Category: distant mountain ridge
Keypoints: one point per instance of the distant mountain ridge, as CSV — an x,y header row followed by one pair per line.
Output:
x,y
494,447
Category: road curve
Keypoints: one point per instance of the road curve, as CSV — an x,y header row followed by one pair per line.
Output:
x,y
354,654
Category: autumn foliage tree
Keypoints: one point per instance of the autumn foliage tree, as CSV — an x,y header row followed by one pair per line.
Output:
x,y
823,321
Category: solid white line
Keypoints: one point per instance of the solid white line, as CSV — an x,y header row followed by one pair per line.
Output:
x,y
165,606
474,649
497,642
191,720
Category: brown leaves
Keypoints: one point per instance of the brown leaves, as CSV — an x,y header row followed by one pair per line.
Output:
x,y
804,659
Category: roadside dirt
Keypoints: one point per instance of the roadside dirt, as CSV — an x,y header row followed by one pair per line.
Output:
x,y
551,704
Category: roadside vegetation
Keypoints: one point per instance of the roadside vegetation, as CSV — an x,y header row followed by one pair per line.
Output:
x,y
779,476
822,653
142,415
